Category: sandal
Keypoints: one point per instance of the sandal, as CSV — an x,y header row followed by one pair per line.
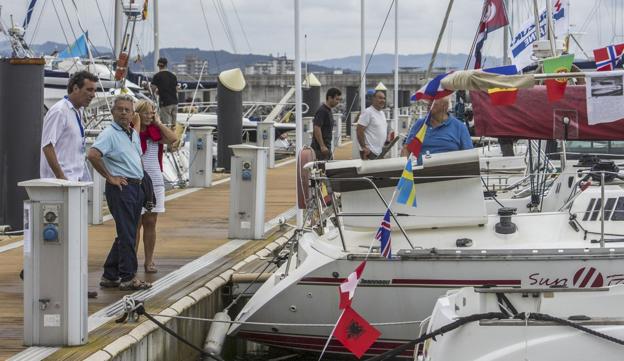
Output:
x,y
150,268
106,283
134,285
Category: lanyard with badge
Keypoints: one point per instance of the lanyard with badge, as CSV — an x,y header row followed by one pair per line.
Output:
x,y
82,132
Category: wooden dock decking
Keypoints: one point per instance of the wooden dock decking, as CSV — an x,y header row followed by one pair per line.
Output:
x,y
192,226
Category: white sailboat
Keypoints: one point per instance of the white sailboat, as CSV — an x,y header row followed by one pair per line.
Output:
x,y
454,238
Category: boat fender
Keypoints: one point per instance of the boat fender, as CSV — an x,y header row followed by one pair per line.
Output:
x,y
506,226
217,333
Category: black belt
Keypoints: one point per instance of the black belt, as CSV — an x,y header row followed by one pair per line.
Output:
x,y
134,181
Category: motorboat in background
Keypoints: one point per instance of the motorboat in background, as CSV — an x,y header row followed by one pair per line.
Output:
x,y
530,328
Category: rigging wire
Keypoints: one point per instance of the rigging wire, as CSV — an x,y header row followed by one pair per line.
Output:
x,y
370,58
60,24
220,15
226,20
110,42
37,23
240,23
214,50
71,27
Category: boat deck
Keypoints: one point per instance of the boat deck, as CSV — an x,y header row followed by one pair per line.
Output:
x,y
194,224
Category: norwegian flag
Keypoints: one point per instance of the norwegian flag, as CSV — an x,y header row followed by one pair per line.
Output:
x,y
433,89
609,58
348,286
383,236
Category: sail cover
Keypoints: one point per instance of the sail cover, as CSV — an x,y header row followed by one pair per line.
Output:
x,y
533,117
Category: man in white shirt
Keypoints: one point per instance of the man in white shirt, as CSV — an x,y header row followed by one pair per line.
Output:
x,y
62,136
372,128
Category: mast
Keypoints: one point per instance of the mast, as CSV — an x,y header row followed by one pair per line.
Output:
x,y
550,29
395,121
538,31
298,113
437,44
362,59
506,36
156,36
117,33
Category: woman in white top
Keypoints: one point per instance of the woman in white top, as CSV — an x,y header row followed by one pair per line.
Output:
x,y
154,135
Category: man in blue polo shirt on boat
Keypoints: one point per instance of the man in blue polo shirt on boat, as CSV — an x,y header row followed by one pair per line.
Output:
x,y
445,133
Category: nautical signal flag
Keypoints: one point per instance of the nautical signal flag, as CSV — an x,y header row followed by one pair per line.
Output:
x,y
406,189
503,96
355,333
383,236
347,288
433,89
494,17
415,145
555,88
144,11
609,58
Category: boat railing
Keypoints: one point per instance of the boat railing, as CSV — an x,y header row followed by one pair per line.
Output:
x,y
250,109
340,214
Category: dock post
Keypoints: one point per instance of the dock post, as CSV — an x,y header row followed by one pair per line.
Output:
x,y
311,94
265,137
308,130
355,145
55,262
200,156
247,191
230,87
337,130
21,120
96,192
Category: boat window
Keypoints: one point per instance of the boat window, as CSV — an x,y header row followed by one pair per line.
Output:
x,y
596,212
609,208
618,212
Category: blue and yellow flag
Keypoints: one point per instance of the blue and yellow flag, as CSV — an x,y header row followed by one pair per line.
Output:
x,y
406,190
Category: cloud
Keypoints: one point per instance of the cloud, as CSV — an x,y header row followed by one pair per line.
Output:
x,y
332,26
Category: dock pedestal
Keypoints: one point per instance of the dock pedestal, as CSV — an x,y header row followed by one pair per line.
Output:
x,y
265,137
247,191
200,156
55,263
96,193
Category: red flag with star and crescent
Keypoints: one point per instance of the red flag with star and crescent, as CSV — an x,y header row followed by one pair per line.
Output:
x,y
355,333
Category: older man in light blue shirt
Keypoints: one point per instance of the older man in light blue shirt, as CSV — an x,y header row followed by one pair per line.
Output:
x,y
116,155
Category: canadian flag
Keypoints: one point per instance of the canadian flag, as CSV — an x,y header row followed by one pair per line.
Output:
x,y
347,288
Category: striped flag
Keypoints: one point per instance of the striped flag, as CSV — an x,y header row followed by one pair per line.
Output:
x,y
383,236
500,95
406,190
433,89
415,145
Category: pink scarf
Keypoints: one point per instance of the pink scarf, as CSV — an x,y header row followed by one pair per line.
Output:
x,y
152,132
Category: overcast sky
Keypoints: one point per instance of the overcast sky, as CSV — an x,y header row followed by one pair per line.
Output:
x,y
332,26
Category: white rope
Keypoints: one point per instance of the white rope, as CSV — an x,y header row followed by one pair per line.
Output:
x,y
397,323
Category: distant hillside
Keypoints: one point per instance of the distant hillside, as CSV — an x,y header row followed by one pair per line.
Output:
x,y
48,47
222,60
384,63
217,60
